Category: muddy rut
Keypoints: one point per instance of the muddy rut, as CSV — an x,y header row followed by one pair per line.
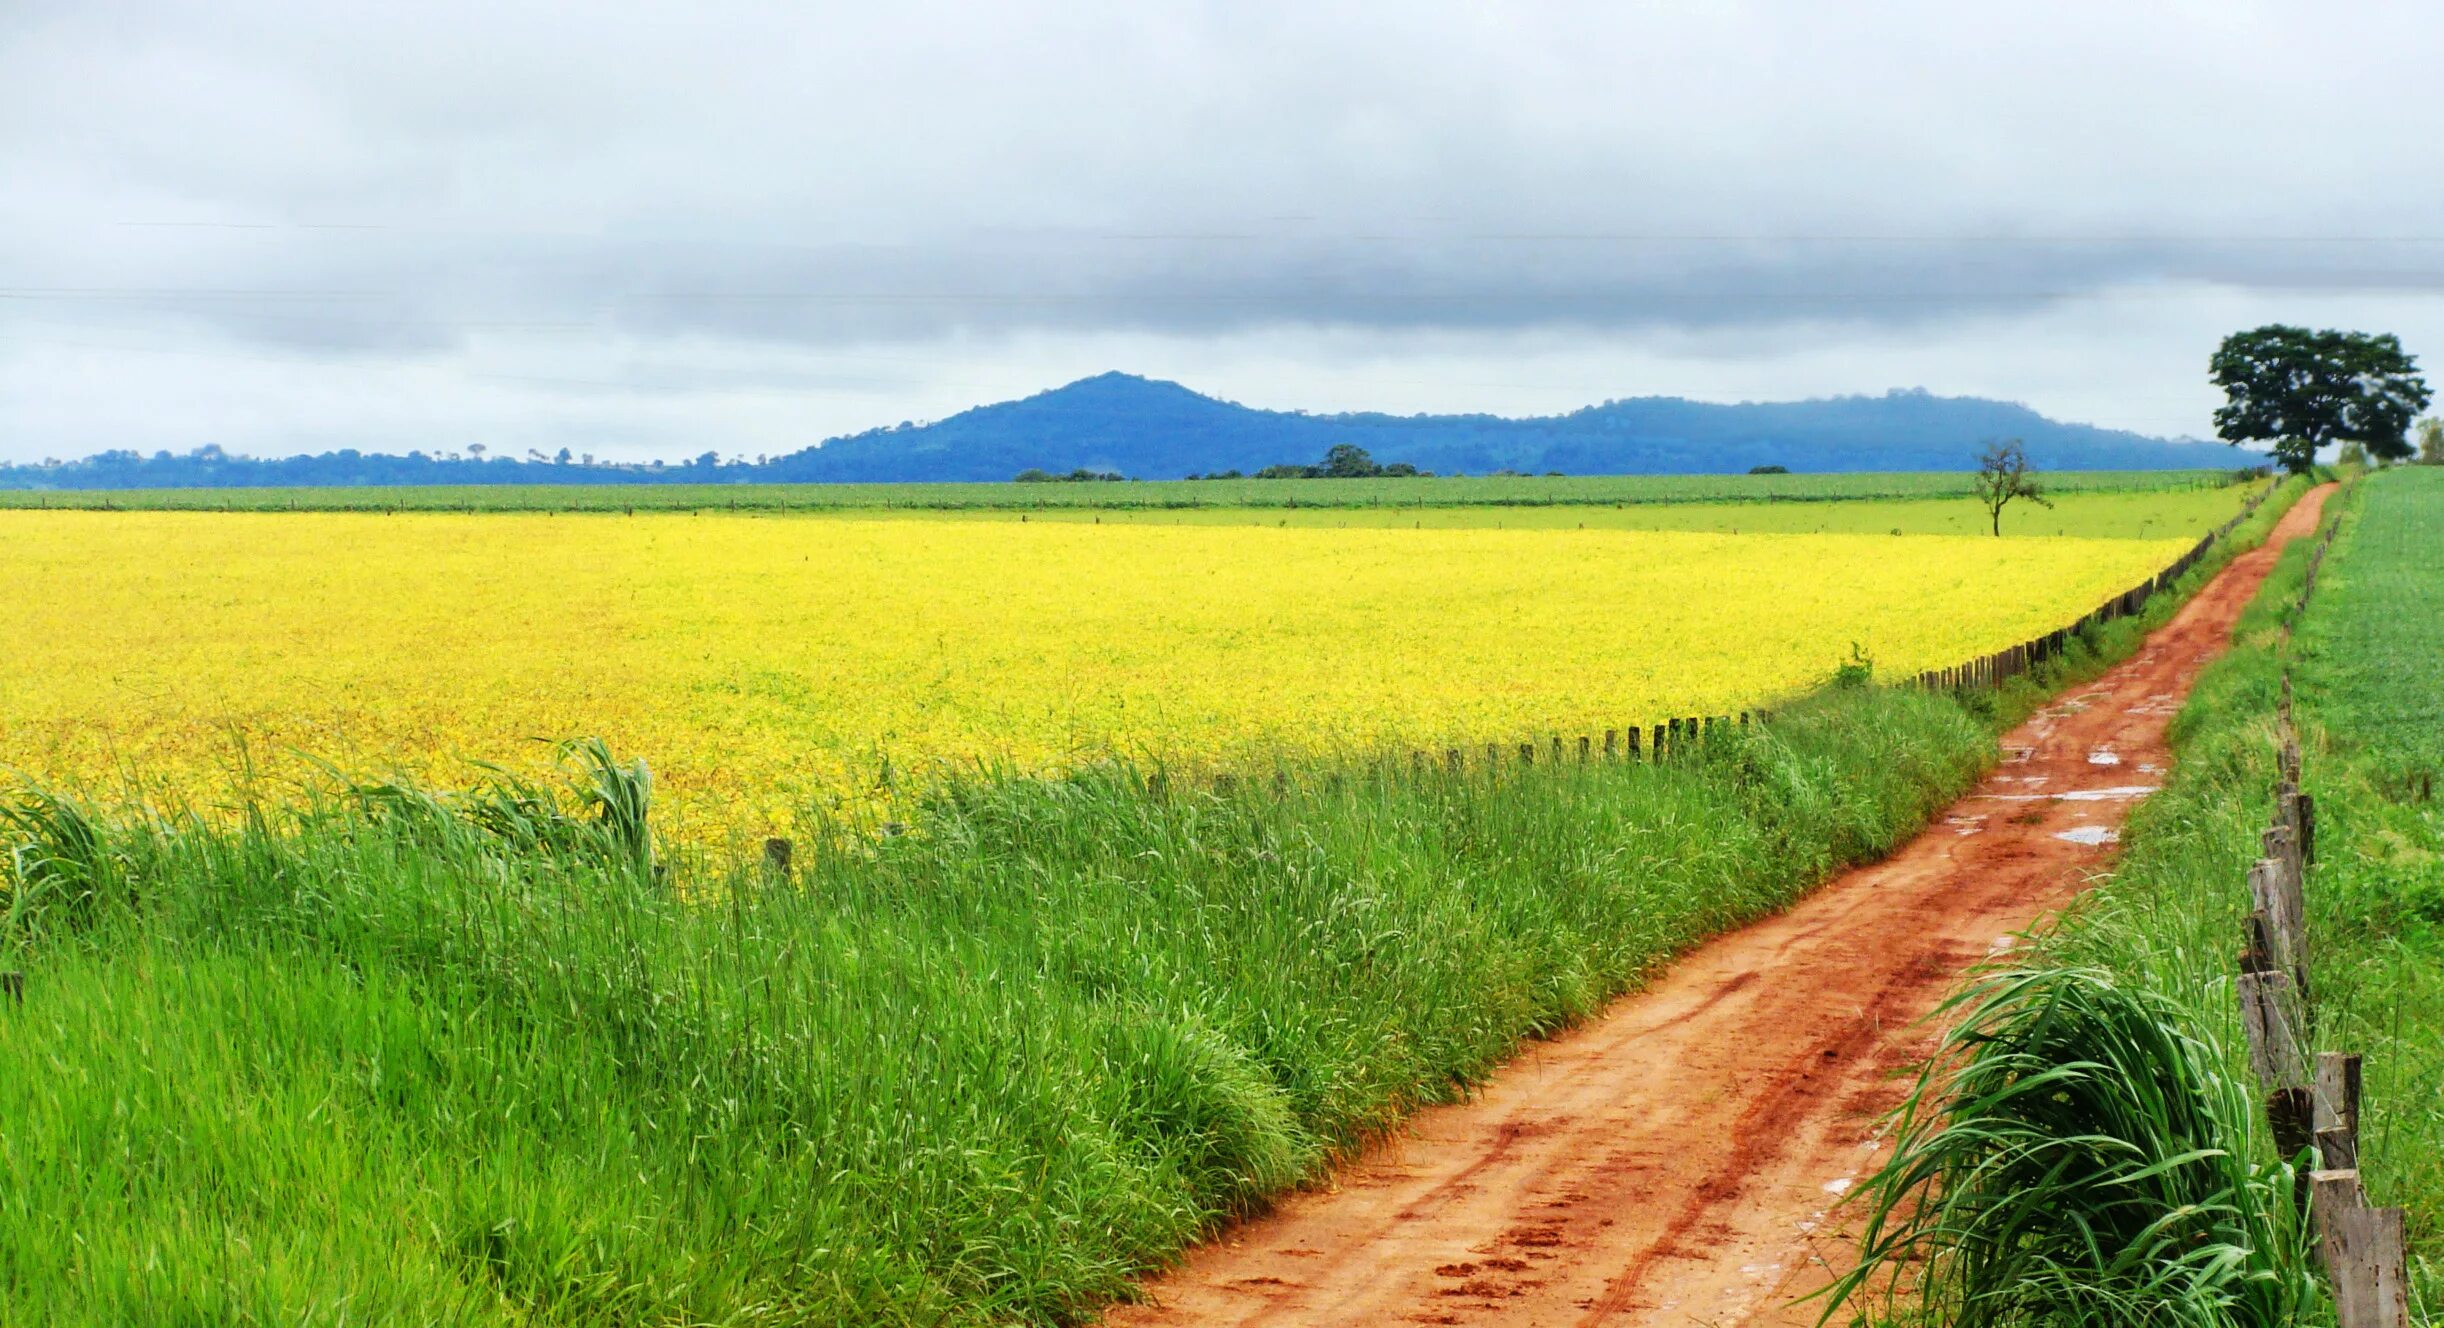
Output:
x,y
1677,1160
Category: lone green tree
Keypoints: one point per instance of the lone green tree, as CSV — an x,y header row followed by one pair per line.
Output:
x,y
2302,390
2003,474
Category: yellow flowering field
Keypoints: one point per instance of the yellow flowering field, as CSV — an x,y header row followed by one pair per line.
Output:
x,y
766,664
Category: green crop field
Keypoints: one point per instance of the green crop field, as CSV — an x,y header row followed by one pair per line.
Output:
x,y
2371,678
1479,491
2375,634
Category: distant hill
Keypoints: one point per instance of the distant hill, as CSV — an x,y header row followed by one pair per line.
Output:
x,y
1150,429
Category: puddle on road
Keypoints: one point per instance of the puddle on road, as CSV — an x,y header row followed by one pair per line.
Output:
x,y
2115,793
2089,834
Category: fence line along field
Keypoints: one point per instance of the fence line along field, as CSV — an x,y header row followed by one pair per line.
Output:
x,y
608,490
774,672
2091,514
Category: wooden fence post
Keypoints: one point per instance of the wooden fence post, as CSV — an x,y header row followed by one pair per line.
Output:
x,y
12,985
2364,1253
1612,743
1633,742
2336,1109
2266,1001
2281,846
1582,749
777,855
2271,894
2257,943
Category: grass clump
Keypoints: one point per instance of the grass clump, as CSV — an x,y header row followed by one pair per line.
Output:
x,y
2068,1158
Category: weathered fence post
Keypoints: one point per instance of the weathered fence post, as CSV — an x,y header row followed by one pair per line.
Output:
x,y
2275,888
2266,1001
1582,749
1612,743
2337,1108
2365,1258
12,985
777,855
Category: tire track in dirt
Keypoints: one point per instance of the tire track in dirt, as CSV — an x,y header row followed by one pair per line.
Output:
x,y
1677,1159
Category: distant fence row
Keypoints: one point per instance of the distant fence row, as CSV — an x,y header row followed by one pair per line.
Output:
x,y
2312,1102
2012,661
1672,736
1663,740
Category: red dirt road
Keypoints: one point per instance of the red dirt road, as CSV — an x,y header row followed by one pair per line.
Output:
x,y
1674,1161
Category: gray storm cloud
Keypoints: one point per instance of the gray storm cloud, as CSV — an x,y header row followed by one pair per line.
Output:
x,y
500,207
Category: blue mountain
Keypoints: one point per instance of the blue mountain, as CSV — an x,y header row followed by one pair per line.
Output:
x,y
1150,429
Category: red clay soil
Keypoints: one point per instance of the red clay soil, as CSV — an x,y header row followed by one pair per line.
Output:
x,y
1676,1160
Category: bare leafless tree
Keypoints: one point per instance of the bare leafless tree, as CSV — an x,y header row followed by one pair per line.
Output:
x,y
2003,473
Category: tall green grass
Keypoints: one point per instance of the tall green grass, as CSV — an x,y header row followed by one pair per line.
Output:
x,y
2067,1160
412,1058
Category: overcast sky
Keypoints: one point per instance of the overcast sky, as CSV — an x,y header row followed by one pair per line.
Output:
x,y
643,229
